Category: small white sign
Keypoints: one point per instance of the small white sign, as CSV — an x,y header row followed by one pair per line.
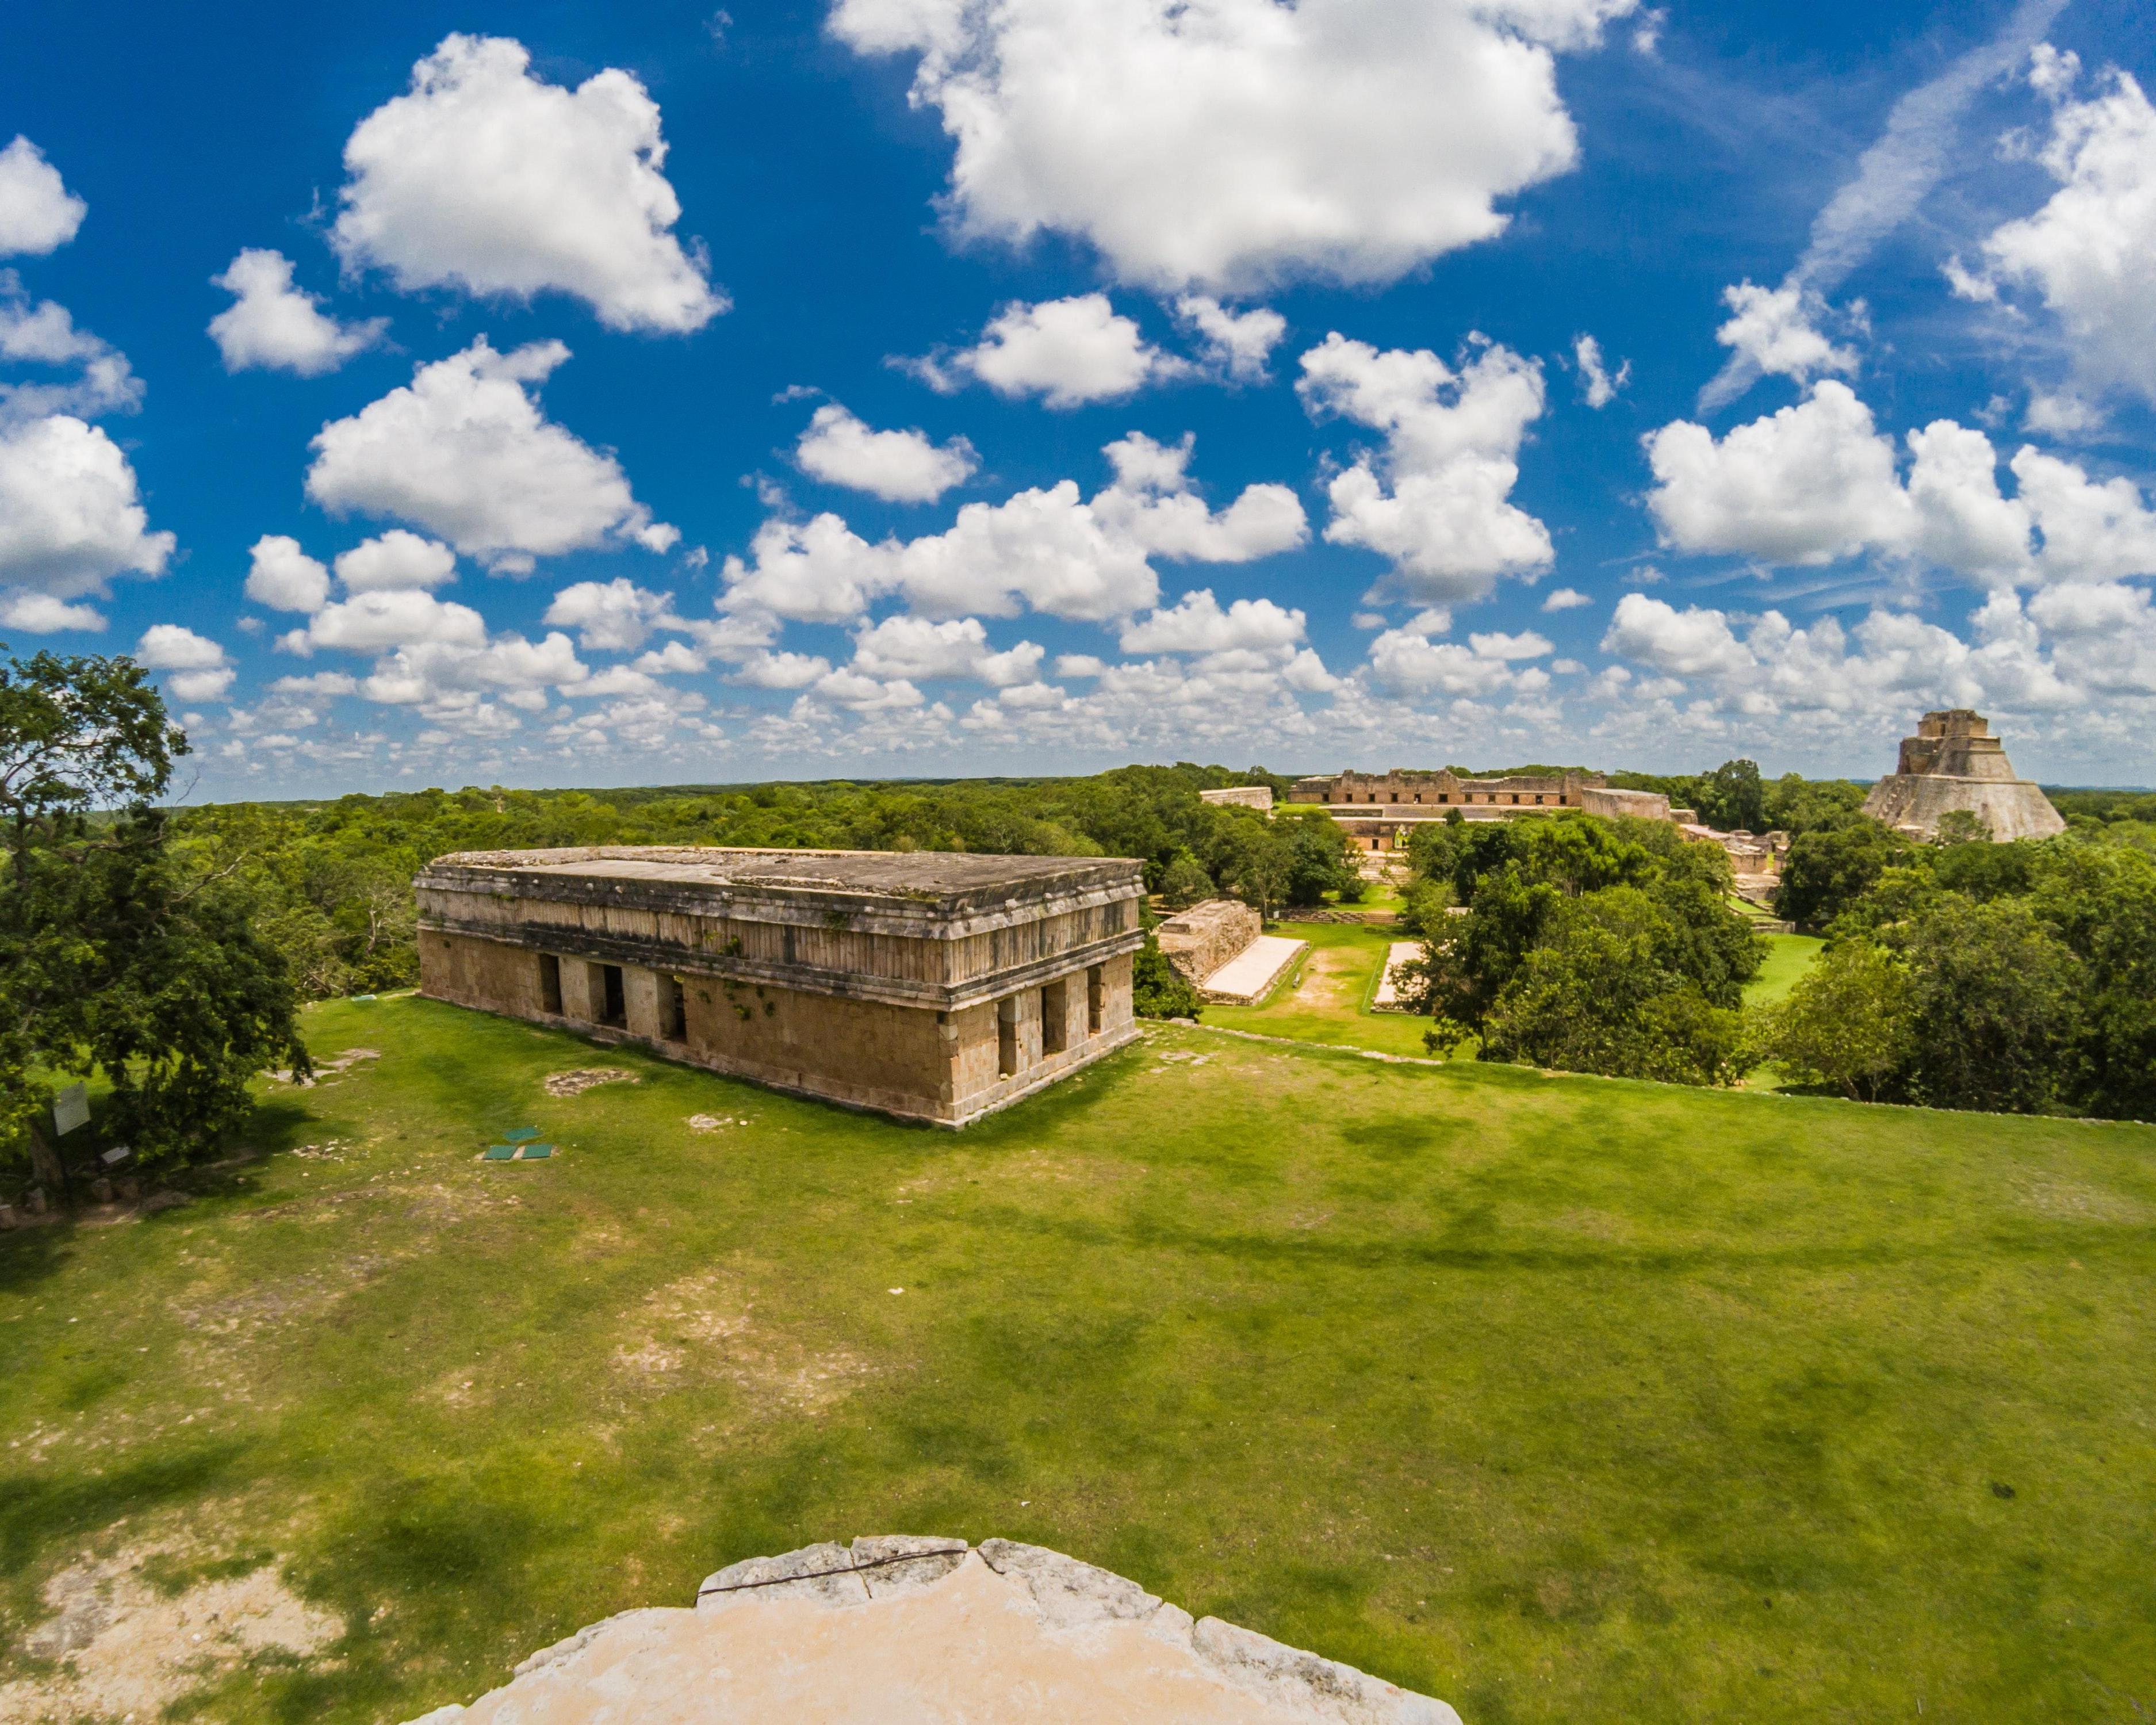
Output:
x,y
70,1109
118,1153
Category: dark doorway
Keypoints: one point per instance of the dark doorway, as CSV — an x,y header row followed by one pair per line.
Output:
x,y
673,1010
550,984
616,1010
1054,1019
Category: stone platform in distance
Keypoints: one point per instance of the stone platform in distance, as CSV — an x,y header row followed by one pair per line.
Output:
x,y
908,1631
1246,979
1388,996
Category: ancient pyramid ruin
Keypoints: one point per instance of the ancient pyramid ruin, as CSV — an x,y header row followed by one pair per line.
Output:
x,y
1954,763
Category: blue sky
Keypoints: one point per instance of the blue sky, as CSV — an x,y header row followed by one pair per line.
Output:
x,y
565,394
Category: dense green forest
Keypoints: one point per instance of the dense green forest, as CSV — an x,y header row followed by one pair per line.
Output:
x,y
331,881
168,949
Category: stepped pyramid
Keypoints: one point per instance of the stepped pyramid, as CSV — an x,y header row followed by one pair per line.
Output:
x,y
1954,763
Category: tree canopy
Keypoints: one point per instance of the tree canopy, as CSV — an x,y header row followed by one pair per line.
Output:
x,y
117,958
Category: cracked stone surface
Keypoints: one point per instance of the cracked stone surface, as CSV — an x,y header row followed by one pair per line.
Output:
x,y
910,1629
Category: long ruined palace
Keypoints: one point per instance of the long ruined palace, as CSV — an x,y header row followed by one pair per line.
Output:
x,y
1379,810
931,986
1953,764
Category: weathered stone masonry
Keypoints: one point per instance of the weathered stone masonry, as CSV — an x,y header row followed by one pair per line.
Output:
x,y
931,986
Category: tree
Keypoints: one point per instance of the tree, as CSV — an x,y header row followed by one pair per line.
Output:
x,y
1830,868
114,957
1252,860
1600,994
1796,805
1185,882
1733,798
1848,1023
1321,858
1158,990
1996,1005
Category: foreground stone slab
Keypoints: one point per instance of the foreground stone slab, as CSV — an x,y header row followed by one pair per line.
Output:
x,y
909,1630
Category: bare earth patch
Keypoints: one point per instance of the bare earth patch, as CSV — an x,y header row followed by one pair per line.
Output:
x,y
704,1324
123,1649
575,1083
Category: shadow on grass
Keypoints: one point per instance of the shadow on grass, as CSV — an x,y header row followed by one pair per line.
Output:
x,y
27,1256
44,1510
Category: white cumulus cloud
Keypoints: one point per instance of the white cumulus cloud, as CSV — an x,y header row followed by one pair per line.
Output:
x,y
905,648
396,559
1239,342
1153,504
486,178
1436,500
198,663
273,326
1808,485
2091,251
283,577
1197,624
95,378
898,466
1044,549
1066,352
38,212
1775,330
40,614
71,518
1230,143
1817,482
464,452
615,616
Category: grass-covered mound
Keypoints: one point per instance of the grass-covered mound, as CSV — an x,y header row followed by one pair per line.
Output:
x,y
1560,1399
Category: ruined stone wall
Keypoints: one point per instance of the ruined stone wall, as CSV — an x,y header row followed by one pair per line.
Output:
x,y
1641,805
1354,791
1199,940
1241,796
912,1061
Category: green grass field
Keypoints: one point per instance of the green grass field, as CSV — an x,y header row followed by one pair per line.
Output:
x,y
1323,1001
1561,1399
1788,956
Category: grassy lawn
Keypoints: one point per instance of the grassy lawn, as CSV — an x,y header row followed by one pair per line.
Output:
x,y
1561,1399
1323,1001
1788,956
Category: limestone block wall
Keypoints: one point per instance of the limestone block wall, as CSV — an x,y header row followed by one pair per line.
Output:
x,y
945,1067
1915,804
1199,940
1241,796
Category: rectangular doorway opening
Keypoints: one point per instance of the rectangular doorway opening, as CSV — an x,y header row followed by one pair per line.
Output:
x,y
613,1007
673,1010
1054,1019
1007,1037
550,984
1097,997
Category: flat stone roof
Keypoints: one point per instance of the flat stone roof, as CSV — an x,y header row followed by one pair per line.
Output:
x,y
917,874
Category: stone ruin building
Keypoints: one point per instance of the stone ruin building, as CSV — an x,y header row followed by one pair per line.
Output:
x,y
931,986
1954,764
1221,949
1259,797
1379,811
